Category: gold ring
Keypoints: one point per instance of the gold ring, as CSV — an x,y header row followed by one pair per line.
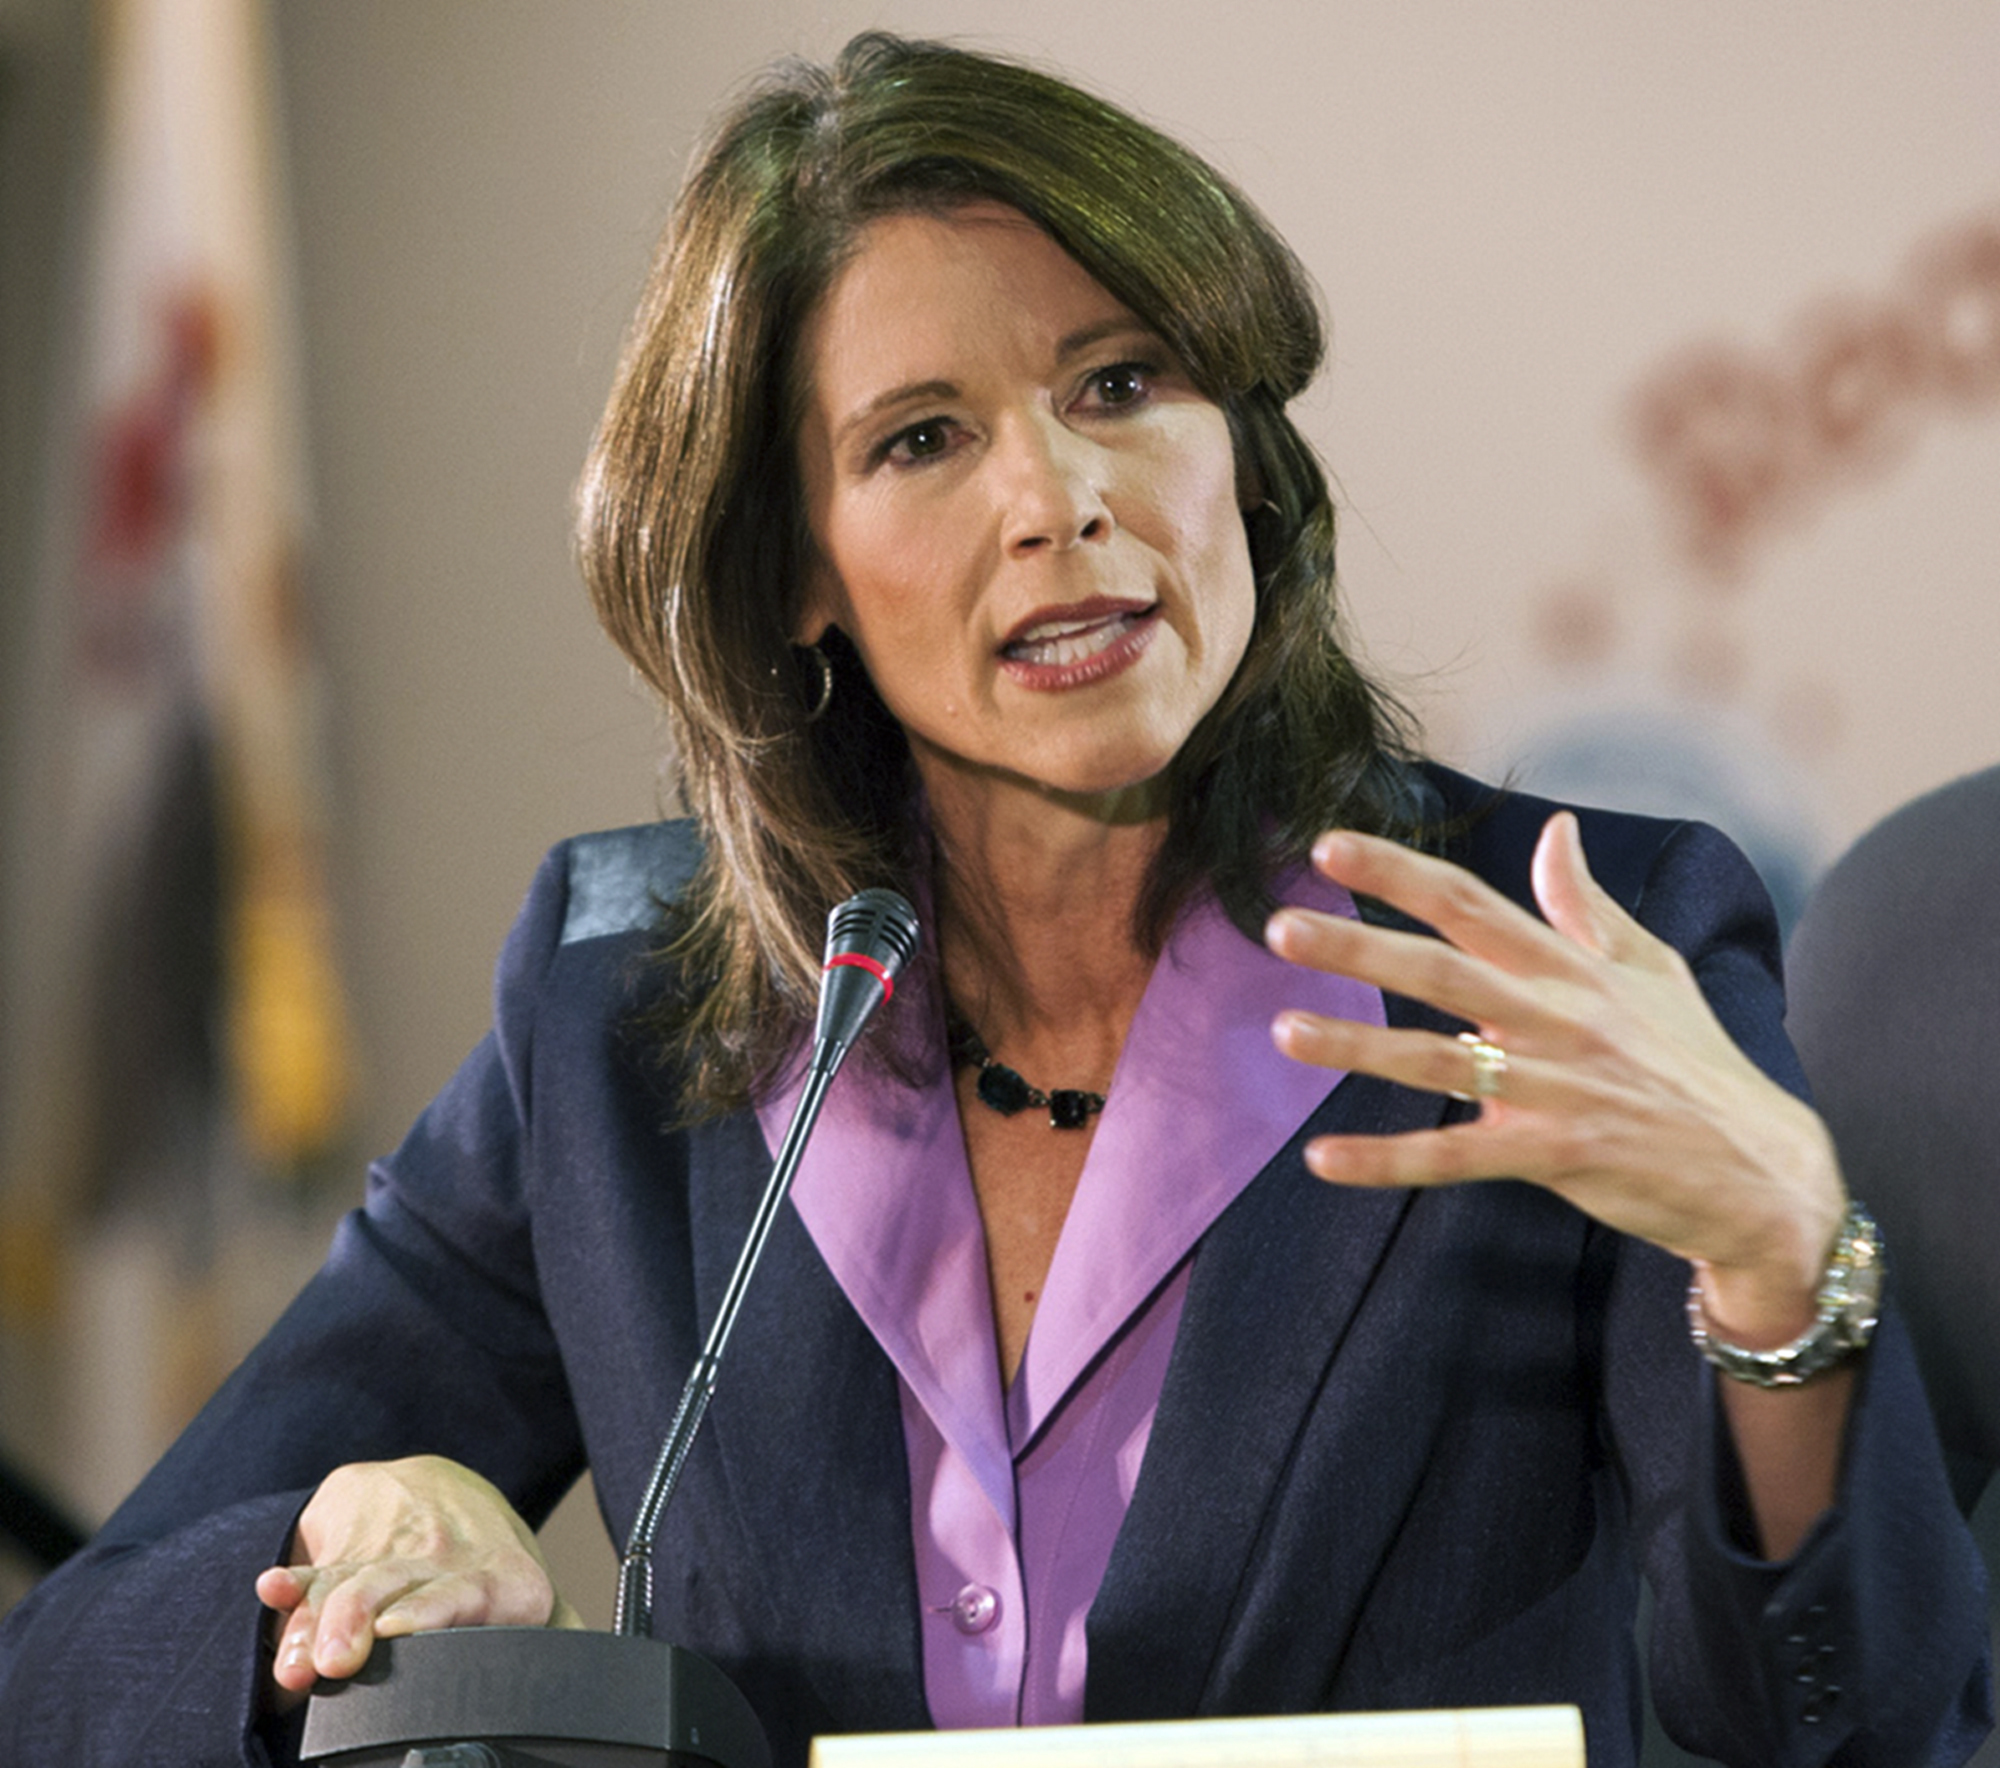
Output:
x,y
1489,1067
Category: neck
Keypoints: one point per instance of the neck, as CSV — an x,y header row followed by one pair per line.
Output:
x,y
1037,893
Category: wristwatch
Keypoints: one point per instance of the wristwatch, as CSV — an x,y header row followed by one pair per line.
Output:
x,y
1850,1300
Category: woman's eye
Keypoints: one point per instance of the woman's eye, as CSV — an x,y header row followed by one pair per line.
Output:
x,y
919,441
1123,383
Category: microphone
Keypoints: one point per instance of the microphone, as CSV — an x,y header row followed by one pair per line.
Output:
x,y
869,938
604,1696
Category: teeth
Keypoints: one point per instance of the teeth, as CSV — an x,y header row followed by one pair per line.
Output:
x,y
1053,629
1055,643
1059,652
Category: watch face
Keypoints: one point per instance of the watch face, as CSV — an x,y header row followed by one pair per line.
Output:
x,y
1857,1261
1853,1286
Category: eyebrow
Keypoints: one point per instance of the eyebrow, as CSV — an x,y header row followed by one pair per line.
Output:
x,y
1070,346
1085,337
910,392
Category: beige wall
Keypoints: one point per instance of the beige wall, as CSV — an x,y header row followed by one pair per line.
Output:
x,y
1519,213
1522,214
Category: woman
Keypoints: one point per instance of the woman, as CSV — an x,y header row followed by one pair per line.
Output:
x,y
947,498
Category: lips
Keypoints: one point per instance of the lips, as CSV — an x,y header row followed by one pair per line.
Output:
x,y
1084,642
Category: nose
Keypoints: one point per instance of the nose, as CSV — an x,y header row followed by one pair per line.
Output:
x,y
1051,497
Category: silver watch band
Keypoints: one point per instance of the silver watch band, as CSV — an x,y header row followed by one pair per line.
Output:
x,y
1849,1297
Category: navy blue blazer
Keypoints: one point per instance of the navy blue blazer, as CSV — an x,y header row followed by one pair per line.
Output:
x,y
1413,1449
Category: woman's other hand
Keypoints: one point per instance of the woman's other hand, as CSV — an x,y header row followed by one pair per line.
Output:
x,y
386,1548
1620,1090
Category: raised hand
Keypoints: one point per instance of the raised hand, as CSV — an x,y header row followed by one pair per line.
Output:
x,y
1613,1083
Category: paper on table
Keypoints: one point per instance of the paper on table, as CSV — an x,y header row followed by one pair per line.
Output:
x,y
1474,1737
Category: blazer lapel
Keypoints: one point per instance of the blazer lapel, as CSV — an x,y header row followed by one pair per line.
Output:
x,y
1274,1288
809,1429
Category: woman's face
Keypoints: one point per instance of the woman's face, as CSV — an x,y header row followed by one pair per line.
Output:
x,y
1025,515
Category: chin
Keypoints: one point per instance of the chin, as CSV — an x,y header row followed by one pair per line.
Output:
x,y
1123,779
1118,795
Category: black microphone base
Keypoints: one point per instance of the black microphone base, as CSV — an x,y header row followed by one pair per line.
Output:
x,y
533,1697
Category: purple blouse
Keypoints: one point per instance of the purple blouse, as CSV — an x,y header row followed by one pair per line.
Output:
x,y
1017,1493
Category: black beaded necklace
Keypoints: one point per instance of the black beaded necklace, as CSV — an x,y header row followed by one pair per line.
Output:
x,y
1002,1089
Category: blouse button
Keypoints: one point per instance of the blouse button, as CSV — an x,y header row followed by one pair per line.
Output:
x,y
975,1608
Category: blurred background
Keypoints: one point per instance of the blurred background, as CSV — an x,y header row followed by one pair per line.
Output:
x,y
1665,375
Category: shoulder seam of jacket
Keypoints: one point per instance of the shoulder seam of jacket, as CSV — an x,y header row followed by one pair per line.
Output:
x,y
620,879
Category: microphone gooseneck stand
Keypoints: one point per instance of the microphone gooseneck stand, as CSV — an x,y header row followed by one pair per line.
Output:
x,y
537,1697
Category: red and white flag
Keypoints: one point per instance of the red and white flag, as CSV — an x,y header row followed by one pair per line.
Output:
x,y
172,997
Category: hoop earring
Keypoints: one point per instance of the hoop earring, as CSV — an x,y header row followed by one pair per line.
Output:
x,y
817,711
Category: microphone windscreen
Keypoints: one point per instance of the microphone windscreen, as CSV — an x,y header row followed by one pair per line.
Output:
x,y
869,938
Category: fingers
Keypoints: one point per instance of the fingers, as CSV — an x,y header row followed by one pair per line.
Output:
x,y
1579,907
339,1613
1466,910
1497,965
282,1590
1575,904
1543,991
1607,1077
1425,1060
1452,1156
332,1626
1582,917
1409,964
396,1548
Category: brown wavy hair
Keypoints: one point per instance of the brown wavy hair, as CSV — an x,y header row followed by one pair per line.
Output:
x,y
692,535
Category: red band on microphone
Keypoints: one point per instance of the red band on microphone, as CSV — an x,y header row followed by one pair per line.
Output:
x,y
861,961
